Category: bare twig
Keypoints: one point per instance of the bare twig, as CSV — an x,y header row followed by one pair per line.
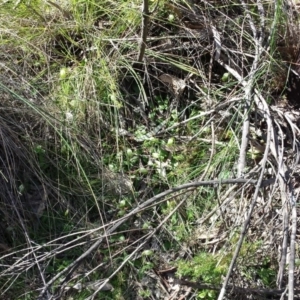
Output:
x,y
245,134
212,152
292,246
248,91
145,25
283,180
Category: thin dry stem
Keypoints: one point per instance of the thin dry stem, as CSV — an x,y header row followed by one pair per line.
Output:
x,y
145,26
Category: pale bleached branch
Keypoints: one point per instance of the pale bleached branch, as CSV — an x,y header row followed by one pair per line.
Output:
x,y
292,245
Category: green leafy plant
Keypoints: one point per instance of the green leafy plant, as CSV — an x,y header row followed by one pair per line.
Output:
x,y
204,267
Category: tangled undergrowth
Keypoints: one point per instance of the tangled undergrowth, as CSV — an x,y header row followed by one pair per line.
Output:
x,y
149,153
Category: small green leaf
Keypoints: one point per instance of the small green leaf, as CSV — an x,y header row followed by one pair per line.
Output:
x,y
147,253
63,73
170,141
122,204
171,17
21,188
143,170
129,152
155,155
225,77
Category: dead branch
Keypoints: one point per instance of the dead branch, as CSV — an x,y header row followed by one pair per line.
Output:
x,y
292,247
145,25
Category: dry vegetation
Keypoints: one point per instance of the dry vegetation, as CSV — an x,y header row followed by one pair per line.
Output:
x,y
149,153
